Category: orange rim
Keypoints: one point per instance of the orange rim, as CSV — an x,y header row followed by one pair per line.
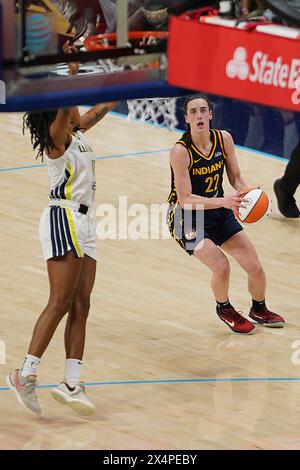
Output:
x,y
93,43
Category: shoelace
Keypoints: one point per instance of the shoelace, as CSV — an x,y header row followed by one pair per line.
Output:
x,y
78,389
265,314
30,385
29,388
236,316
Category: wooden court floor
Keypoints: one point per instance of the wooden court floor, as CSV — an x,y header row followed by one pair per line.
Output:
x,y
163,371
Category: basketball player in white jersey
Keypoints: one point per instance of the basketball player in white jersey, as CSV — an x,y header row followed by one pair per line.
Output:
x,y
68,234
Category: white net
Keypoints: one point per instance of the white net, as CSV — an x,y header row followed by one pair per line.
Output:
x,y
159,111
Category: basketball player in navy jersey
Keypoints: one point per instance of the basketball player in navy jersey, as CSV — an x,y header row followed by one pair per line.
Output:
x,y
68,236
197,166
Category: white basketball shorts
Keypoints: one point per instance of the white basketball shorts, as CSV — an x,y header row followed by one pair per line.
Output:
x,y
64,229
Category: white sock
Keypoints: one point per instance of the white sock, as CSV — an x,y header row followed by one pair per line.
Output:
x,y
30,365
72,371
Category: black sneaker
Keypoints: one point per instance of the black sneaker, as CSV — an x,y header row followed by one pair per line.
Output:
x,y
286,202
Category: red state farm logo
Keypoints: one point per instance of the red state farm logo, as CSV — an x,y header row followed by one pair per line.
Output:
x,y
265,71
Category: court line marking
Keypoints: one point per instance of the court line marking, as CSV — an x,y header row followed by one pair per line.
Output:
x,y
101,157
249,149
262,154
174,381
146,152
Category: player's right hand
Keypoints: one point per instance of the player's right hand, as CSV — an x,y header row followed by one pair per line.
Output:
x,y
233,201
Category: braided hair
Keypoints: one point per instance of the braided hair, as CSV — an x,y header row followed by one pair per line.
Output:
x,y
187,133
39,124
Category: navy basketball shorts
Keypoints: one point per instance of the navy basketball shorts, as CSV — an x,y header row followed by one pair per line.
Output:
x,y
190,227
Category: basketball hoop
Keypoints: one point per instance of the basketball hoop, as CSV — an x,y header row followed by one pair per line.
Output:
x,y
137,39
158,111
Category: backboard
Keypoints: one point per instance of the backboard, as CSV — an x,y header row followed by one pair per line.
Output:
x,y
33,68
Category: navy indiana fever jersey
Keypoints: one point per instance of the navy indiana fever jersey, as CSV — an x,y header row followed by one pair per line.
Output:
x,y
206,172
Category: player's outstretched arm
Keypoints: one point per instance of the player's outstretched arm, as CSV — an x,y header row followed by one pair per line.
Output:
x,y
60,126
95,114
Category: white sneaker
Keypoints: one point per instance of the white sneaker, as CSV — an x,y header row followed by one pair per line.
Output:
x,y
74,397
24,388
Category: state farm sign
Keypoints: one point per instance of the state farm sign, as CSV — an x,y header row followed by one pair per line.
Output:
x,y
263,70
231,62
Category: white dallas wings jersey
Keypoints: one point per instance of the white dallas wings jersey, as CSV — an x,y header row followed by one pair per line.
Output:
x,y
72,176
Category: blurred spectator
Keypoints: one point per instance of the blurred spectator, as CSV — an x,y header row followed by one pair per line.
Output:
x,y
251,8
159,17
294,3
136,20
79,13
76,12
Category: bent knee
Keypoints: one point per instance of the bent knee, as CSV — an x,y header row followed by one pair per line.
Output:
x,y
82,304
254,268
222,268
81,307
60,306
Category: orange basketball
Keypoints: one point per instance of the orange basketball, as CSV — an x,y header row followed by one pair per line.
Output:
x,y
256,204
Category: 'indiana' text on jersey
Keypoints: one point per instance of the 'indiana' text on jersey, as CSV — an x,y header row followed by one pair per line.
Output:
x,y
206,172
